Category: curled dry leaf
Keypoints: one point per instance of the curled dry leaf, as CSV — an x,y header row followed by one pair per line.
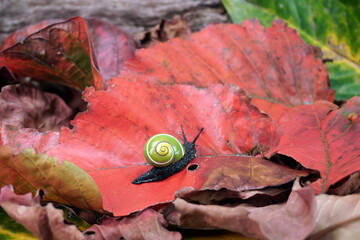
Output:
x,y
258,197
337,217
144,225
348,185
273,65
24,106
63,183
60,53
292,220
167,29
319,137
45,222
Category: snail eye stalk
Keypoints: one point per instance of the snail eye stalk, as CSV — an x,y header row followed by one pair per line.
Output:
x,y
157,174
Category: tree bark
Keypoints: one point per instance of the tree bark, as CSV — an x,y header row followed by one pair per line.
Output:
x,y
133,16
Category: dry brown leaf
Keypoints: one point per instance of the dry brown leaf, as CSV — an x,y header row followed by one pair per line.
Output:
x,y
147,224
337,217
291,220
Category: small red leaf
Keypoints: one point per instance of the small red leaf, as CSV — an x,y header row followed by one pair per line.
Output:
x,y
319,137
59,53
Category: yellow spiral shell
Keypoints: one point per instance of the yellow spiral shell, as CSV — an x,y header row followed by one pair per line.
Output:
x,y
163,149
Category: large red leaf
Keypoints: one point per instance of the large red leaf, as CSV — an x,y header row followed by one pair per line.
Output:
x,y
60,53
108,141
322,138
274,66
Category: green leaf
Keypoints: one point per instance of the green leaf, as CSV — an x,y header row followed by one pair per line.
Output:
x,y
9,229
80,223
332,25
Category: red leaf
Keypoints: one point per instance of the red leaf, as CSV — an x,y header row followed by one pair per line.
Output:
x,y
274,66
144,225
320,137
28,107
108,142
60,53
112,47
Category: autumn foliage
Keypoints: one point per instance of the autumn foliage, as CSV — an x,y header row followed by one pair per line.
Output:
x,y
273,138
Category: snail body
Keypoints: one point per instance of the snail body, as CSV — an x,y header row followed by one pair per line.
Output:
x,y
162,149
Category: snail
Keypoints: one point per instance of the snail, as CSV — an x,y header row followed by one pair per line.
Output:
x,y
167,146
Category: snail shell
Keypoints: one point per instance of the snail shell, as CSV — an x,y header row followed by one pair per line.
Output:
x,y
162,149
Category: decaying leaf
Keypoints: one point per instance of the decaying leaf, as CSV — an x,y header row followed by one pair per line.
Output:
x,y
337,217
63,183
320,137
144,225
291,220
45,222
59,53
24,106
348,185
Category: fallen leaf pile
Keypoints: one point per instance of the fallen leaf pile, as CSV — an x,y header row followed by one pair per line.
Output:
x,y
274,143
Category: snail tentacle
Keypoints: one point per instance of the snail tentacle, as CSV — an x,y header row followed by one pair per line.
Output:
x,y
159,174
